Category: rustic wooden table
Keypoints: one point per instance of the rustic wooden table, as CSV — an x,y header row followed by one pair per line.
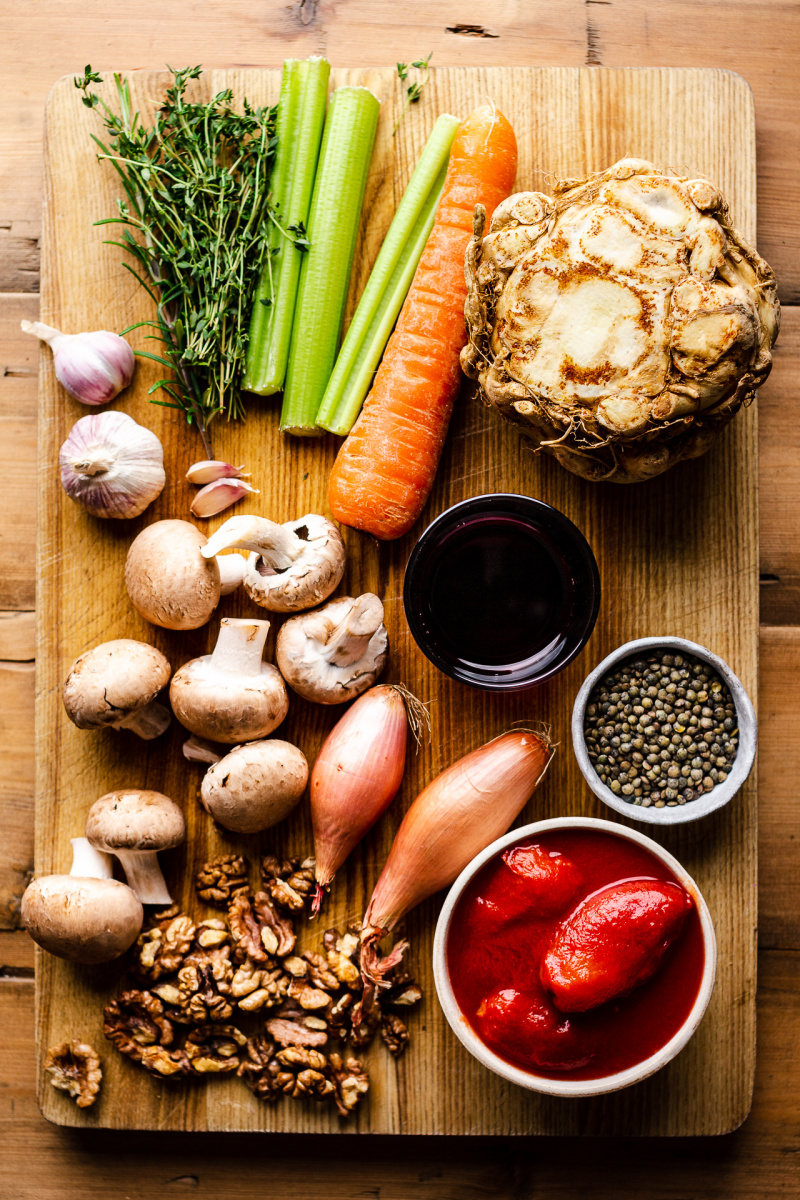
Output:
x,y
43,39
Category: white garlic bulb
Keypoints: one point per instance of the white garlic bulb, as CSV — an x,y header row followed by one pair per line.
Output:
x,y
111,465
93,367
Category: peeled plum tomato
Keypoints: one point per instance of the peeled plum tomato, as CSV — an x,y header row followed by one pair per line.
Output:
x,y
525,1026
484,959
547,879
614,941
531,881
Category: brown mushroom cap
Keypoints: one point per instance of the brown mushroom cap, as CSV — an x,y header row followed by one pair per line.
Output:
x,y
292,566
169,581
134,819
255,786
109,683
83,920
231,695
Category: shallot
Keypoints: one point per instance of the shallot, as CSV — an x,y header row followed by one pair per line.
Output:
x,y
358,773
456,816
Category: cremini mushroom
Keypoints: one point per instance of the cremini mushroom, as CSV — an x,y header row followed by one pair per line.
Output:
x,y
255,786
134,824
231,696
86,916
114,686
335,653
291,566
170,582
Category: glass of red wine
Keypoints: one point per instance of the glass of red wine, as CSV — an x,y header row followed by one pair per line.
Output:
x,y
501,592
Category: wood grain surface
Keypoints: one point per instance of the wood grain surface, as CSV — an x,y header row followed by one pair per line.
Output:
x,y
662,570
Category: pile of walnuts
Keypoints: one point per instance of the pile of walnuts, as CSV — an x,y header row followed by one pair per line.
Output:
x,y
197,980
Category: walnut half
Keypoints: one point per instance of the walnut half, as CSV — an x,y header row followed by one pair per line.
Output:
x,y
74,1067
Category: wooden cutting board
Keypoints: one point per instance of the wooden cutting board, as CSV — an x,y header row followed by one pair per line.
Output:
x,y
677,555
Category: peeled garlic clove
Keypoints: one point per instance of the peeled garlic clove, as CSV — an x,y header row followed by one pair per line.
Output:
x,y
211,469
217,496
93,367
111,465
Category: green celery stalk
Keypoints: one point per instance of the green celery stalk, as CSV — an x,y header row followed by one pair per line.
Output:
x,y
388,284
340,416
339,187
301,116
263,313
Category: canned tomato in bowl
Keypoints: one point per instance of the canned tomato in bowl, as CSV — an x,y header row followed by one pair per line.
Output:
x,y
574,957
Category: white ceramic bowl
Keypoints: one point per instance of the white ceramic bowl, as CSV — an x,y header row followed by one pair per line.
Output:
x,y
529,1079
693,809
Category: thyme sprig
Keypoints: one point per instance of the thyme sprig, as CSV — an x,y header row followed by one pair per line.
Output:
x,y
196,215
414,89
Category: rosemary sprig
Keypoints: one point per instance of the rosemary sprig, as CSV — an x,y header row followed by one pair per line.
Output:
x,y
196,214
414,89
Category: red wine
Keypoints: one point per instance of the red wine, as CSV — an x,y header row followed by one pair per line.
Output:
x,y
501,592
497,592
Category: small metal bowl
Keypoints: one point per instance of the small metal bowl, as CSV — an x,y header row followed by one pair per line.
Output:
x,y
693,809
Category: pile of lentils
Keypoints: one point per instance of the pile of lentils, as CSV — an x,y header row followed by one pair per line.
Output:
x,y
661,729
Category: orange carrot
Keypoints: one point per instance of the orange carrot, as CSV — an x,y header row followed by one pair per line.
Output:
x,y
384,470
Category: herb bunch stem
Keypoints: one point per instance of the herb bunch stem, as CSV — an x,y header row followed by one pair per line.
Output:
x,y
196,215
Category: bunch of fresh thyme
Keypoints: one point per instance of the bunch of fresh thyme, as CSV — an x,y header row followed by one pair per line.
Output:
x,y
197,215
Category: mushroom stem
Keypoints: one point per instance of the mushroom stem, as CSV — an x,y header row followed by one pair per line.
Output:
x,y
144,875
240,646
196,749
231,572
275,544
149,722
348,641
89,863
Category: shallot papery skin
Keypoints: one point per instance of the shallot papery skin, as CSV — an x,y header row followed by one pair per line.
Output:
x,y
456,816
356,776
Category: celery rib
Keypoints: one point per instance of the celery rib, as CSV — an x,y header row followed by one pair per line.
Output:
x,y
354,381
339,188
301,116
388,284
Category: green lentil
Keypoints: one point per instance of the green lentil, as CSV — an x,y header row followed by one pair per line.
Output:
x,y
661,730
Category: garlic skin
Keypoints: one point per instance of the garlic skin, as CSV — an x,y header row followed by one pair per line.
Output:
x,y
111,465
217,496
92,367
211,469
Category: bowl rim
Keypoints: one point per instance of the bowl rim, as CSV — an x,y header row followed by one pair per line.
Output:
x,y
528,1079
723,792
579,540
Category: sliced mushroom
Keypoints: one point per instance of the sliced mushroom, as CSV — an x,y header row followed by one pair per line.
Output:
x,y
255,786
169,580
335,653
115,685
86,916
291,566
231,696
134,824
